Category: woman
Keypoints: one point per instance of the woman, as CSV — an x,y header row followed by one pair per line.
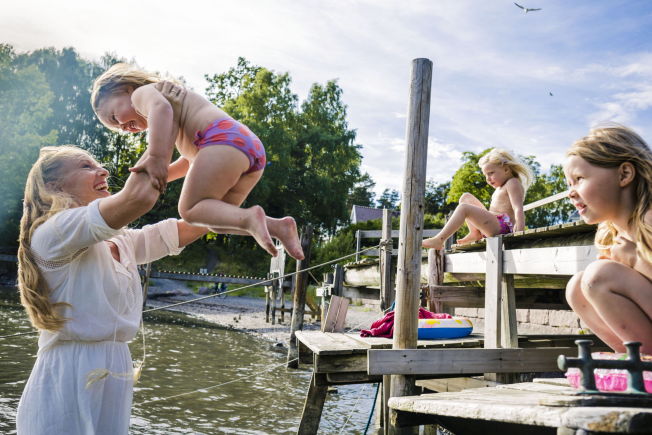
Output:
x,y
79,284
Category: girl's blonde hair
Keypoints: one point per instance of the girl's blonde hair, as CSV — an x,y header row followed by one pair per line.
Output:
x,y
503,157
609,147
42,200
116,79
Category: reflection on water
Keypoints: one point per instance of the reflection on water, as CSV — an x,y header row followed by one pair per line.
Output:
x,y
256,393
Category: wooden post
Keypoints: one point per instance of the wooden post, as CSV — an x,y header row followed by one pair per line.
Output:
x,y
358,244
314,405
408,273
148,272
492,293
299,298
385,261
436,263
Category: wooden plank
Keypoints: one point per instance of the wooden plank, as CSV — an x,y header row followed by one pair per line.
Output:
x,y
324,344
336,316
508,334
386,284
326,363
563,260
444,385
408,266
313,406
463,361
377,234
493,290
352,378
299,296
523,407
544,201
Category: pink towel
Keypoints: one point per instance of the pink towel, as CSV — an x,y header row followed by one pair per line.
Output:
x,y
385,327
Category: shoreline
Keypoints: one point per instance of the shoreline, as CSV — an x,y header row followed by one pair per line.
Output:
x,y
247,314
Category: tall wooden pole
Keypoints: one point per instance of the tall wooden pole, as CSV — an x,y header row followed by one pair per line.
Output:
x,y
299,297
408,272
385,260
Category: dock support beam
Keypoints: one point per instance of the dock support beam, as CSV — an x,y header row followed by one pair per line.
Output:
x,y
408,273
299,298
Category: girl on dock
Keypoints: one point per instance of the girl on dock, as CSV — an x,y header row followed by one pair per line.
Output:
x,y
221,158
80,286
511,178
609,173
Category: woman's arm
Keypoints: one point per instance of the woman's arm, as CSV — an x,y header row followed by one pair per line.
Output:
x,y
136,198
179,168
516,195
189,233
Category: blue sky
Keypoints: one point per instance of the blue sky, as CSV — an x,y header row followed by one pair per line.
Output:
x,y
494,66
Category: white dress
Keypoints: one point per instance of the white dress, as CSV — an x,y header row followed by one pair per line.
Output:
x,y
106,302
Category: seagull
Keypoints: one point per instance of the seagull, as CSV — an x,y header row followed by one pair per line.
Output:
x,y
551,94
526,10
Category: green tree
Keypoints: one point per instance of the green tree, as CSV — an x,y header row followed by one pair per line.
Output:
x,y
435,198
313,160
25,108
362,192
389,199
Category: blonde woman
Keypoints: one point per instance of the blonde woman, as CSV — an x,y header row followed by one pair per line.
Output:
x,y
79,284
511,178
609,173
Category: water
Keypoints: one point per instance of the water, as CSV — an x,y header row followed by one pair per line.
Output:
x,y
265,398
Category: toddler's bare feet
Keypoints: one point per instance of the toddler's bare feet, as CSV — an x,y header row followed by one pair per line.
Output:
x,y
285,229
257,227
433,242
469,238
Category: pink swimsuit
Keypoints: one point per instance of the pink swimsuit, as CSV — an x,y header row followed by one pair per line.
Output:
x,y
232,133
506,225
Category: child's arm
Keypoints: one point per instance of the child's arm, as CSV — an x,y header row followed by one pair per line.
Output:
x,y
162,133
179,168
516,195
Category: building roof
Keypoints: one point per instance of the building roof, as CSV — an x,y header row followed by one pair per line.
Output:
x,y
360,213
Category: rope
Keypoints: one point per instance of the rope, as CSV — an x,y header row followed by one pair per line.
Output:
x,y
355,406
383,243
203,390
265,281
373,407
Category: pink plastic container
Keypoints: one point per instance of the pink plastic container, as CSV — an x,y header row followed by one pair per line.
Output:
x,y
610,379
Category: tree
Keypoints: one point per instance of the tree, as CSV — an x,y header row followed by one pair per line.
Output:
x,y
435,198
362,192
25,100
389,199
313,160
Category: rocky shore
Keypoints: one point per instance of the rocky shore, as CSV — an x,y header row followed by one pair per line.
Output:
x,y
245,314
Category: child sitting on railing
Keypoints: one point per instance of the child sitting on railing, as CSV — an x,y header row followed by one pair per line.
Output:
x,y
511,178
610,177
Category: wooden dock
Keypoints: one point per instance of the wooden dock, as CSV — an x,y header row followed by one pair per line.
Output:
x,y
545,406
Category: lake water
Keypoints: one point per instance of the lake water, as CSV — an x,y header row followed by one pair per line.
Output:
x,y
258,396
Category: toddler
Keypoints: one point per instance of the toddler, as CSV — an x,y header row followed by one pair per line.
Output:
x,y
221,158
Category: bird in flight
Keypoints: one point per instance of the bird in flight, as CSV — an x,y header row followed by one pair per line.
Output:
x,y
526,10
551,94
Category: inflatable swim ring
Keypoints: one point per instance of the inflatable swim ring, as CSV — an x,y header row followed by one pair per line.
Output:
x,y
609,379
455,327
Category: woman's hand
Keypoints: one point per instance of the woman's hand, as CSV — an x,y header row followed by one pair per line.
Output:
x,y
156,168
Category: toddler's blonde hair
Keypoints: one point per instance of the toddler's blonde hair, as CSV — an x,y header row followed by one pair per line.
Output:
x,y
608,147
116,79
42,200
503,157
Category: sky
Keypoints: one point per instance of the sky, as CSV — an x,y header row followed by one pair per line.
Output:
x,y
495,67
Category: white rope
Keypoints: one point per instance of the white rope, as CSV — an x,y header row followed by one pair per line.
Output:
x,y
265,281
355,408
205,389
